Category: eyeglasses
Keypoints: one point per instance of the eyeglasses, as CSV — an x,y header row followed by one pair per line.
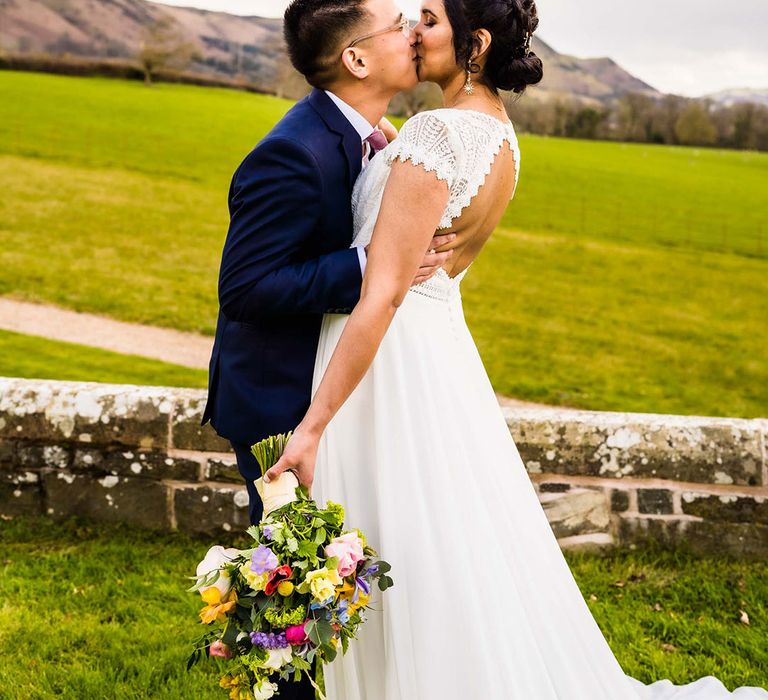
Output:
x,y
404,26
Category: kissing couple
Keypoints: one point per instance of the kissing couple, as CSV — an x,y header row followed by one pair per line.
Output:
x,y
341,319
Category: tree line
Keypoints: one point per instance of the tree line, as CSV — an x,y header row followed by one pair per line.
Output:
x,y
638,117
666,119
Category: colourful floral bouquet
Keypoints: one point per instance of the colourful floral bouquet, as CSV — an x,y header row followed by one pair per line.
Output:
x,y
301,589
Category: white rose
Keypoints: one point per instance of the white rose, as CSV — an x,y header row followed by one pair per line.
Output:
x,y
216,557
278,658
263,690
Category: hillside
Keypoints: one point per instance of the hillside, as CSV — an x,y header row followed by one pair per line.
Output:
x,y
230,46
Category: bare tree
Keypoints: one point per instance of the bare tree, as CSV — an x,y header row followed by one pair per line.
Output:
x,y
284,79
694,126
417,99
164,46
289,83
585,122
634,117
665,117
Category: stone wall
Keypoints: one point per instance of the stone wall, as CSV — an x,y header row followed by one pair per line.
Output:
x,y
138,454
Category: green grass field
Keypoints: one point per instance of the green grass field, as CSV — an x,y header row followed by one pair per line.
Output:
x,y
38,358
625,276
100,611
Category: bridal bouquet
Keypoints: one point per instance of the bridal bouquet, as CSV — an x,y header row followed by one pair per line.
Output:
x,y
299,591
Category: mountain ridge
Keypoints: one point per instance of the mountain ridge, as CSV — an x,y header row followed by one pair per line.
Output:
x,y
246,47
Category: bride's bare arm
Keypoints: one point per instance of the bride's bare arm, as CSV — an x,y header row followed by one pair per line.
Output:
x,y
413,203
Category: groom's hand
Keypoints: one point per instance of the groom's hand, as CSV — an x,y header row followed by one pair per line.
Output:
x,y
433,261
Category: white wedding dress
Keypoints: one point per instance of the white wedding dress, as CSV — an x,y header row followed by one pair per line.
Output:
x,y
484,604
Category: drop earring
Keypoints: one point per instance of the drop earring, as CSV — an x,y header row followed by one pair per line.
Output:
x,y
468,87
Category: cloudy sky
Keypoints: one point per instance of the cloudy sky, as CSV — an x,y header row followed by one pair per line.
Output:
x,y
689,47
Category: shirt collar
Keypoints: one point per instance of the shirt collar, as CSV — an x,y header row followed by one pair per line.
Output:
x,y
357,120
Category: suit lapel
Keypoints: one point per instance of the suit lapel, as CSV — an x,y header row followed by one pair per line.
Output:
x,y
337,123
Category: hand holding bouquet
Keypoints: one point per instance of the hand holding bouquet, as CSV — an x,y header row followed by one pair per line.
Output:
x,y
294,596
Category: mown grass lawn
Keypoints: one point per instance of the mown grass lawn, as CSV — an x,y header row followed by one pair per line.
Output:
x,y
624,277
100,611
38,358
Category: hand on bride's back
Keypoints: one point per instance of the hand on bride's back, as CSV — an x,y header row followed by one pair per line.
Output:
x,y
300,456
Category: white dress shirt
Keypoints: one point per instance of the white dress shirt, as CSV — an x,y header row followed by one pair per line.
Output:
x,y
364,128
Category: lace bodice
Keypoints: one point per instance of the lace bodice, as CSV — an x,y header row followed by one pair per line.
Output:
x,y
459,146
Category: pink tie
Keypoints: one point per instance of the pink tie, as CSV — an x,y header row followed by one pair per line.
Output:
x,y
377,140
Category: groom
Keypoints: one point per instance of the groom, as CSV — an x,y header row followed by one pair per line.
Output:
x,y
287,258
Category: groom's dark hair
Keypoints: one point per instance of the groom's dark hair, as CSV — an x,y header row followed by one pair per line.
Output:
x,y
314,32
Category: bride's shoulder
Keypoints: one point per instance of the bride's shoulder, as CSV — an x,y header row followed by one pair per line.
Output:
x,y
431,125
452,119
429,139
442,115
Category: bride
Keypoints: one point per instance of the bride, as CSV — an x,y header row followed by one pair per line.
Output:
x,y
404,428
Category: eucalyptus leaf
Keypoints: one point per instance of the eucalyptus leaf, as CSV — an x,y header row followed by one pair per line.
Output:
x,y
325,631
329,651
310,629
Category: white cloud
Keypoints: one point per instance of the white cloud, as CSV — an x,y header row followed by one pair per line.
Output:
x,y
689,47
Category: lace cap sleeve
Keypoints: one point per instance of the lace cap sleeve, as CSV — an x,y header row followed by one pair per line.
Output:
x,y
427,140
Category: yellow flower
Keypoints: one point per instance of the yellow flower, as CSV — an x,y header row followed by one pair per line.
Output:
x,y
285,588
362,601
238,687
322,583
216,608
256,581
346,591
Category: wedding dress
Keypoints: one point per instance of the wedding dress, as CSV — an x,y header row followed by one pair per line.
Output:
x,y
484,604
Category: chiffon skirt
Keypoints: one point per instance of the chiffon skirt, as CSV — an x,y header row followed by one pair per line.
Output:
x,y
484,604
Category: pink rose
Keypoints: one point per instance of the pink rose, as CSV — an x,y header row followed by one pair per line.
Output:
x,y
218,648
295,634
349,549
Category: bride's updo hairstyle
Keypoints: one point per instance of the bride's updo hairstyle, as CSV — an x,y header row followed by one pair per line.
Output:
x,y
510,64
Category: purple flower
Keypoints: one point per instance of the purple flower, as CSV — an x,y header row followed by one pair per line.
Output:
x,y
269,640
361,584
267,530
263,560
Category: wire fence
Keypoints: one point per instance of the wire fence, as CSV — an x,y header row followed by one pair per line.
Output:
x,y
605,216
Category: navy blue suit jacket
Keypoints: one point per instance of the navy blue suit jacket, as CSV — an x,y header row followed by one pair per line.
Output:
x,y
286,261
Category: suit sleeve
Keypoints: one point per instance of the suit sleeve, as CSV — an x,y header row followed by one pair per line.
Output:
x,y
275,200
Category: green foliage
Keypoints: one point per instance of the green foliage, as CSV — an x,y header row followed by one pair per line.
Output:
x,y
624,276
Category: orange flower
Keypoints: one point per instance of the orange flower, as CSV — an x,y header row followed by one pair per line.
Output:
x,y
217,608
